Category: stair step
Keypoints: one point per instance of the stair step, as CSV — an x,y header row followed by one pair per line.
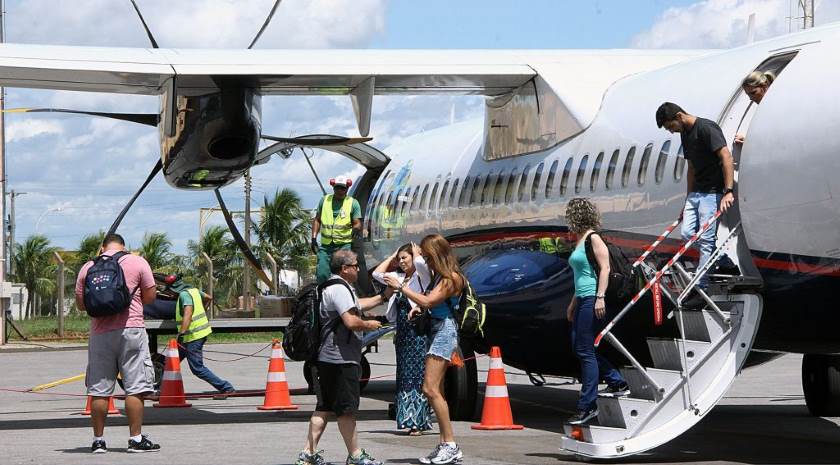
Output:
x,y
622,412
640,388
704,325
597,434
666,353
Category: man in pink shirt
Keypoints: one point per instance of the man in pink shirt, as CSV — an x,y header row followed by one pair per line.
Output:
x,y
119,344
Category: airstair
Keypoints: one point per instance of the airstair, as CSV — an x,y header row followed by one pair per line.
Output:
x,y
691,372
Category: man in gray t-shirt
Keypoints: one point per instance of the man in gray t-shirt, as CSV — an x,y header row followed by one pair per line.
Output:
x,y
338,369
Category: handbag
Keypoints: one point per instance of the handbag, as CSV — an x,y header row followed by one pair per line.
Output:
x,y
422,323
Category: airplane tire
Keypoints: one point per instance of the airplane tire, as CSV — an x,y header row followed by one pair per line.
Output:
x,y
461,387
821,384
307,375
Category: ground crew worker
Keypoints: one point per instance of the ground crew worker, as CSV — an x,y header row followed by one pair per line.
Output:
x,y
193,329
339,217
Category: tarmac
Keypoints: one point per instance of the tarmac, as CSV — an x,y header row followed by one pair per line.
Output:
x,y
763,419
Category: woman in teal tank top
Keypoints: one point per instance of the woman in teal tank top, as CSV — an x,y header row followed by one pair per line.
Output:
x,y
587,310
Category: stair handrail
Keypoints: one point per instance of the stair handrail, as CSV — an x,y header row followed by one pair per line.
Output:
x,y
609,326
662,237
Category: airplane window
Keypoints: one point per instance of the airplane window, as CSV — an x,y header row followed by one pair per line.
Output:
x,y
523,179
643,165
552,173
422,204
443,196
661,161
581,172
611,169
596,171
679,165
501,187
452,197
535,184
465,193
510,186
407,201
430,206
628,166
487,193
476,191
396,203
567,170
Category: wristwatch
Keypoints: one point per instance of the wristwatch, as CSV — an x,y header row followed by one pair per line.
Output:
x,y
728,190
600,296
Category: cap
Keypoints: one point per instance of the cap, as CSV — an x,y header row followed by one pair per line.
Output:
x,y
343,181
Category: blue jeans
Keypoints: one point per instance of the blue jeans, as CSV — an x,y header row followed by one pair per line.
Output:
x,y
193,352
699,207
593,366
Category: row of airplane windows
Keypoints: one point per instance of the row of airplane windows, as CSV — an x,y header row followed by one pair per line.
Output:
x,y
505,188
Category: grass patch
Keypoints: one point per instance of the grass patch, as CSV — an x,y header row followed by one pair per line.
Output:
x,y
229,338
75,326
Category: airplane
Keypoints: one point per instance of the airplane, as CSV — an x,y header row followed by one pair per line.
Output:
x,y
558,124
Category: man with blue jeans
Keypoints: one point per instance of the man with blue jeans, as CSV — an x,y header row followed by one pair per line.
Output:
x,y
193,329
710,179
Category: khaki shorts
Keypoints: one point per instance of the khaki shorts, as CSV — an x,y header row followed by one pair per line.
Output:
x,y
124,351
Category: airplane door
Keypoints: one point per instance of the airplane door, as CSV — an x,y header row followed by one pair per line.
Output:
x,y
735,120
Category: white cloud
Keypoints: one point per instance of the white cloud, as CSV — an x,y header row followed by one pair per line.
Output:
x,y
28,128
723,23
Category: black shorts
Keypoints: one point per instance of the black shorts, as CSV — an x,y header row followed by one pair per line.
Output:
x,y
337,387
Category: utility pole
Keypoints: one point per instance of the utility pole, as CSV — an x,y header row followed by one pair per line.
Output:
x,y
12,225
3,249
246,272
807,13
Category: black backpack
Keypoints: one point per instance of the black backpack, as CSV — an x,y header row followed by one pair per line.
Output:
x,y
469,313
302,336
623,279
105,291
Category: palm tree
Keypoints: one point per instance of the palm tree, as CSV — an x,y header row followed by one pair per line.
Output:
x,y
227,263
89,247
156,248
34,267
284,231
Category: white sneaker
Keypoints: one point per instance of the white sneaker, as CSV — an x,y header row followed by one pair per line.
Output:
x,y
448,454
428,459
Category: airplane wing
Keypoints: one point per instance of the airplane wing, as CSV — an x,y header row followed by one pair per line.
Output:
x,y
579,78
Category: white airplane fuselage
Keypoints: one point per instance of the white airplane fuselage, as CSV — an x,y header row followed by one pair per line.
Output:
x,y
788,196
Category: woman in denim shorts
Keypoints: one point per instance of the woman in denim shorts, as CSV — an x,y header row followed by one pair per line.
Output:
x,y
448,282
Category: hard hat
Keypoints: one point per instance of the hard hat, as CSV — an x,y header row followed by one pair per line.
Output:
x,y
341,181
170,279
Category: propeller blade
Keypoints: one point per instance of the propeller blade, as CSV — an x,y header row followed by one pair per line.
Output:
x,y
145,26
265,24
149,119
318,140
246,251
127,206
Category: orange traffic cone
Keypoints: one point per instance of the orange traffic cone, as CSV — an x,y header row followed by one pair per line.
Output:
x,y
276,387
112,409
172,389
496,413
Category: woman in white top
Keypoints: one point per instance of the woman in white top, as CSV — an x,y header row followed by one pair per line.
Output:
x,y
413,412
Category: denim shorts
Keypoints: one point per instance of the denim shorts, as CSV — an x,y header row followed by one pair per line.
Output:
x,y
443,339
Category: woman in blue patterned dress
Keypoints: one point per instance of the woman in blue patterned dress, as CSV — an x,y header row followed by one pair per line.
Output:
x,y
413,412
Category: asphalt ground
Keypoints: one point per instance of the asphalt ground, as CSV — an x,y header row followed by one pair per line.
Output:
x,y
763,419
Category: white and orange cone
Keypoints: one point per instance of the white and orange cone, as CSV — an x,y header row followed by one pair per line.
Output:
x,y
112,409
276,387
172,389
496,413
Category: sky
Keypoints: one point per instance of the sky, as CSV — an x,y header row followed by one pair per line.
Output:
x,y
77,172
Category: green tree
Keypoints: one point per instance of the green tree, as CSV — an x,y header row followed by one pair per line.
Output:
x,y
89,247
284,231
35,268
227,264
156,248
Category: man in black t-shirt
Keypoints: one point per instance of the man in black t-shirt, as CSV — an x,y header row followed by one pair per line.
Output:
x,y
710,180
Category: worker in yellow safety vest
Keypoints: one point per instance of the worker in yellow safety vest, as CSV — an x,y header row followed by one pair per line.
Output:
x,y
338,218
193,329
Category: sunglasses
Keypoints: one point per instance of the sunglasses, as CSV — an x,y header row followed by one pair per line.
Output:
x,y
354,265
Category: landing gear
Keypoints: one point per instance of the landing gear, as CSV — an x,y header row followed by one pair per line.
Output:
x,y
821,384
460,385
